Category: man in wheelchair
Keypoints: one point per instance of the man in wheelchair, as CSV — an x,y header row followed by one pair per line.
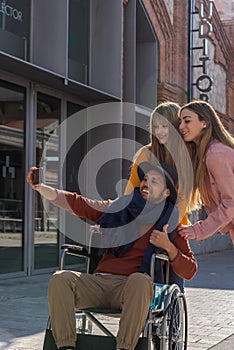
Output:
x,y
136,225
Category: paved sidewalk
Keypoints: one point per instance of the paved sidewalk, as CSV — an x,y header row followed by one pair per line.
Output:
x,y
210,295
210,298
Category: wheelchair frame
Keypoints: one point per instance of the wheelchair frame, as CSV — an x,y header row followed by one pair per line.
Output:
x,y
166,327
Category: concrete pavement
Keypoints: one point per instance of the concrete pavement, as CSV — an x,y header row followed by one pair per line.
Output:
x,y
210,302
210,295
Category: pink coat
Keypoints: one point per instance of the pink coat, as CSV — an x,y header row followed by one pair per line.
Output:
x,y
220,165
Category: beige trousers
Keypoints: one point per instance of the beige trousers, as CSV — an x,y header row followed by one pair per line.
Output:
x,y
69,290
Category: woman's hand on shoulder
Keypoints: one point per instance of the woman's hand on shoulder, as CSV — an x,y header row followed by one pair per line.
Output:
x,y
186,231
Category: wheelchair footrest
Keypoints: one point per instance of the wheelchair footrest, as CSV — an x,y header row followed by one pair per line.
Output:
x,y
91,342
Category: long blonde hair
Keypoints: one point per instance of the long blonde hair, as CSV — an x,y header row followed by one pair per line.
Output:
x,y
175,152
165,112
214,131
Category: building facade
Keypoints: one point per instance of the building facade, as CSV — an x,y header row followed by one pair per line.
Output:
x,y
79,77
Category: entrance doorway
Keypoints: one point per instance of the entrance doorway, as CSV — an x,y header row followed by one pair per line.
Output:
x,y
12,140
46,235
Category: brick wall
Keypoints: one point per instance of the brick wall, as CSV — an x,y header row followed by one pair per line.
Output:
x,y
170,21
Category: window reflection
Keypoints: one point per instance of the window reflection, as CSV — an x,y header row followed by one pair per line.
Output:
x,y
12,119
78,51
15,27
47,156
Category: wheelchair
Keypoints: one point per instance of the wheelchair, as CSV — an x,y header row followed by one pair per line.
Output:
x,y
166,326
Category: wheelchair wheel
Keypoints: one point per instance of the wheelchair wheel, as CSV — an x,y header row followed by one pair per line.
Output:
x,y
178,326
161,334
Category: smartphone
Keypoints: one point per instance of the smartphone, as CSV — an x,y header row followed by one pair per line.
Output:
x,y
37,176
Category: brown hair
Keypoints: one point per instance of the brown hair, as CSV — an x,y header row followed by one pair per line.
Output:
x,y
214,131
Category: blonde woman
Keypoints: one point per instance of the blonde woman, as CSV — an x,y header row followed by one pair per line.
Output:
x,y
166,146
212,153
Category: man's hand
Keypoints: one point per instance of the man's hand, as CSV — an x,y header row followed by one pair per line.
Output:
x,y
160,239
33,178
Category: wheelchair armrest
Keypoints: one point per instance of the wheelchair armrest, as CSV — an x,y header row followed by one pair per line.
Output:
x,y
75,249
72,249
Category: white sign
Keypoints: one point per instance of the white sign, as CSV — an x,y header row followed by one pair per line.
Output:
x,y
204,82
11,12
8,169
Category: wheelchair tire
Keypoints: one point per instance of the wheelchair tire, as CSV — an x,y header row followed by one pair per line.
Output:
x,y
156,342
178,326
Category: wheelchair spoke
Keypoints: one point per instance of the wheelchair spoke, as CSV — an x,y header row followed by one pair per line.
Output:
x,y
178,324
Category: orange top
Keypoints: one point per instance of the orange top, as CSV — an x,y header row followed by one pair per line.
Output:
x,y
145,155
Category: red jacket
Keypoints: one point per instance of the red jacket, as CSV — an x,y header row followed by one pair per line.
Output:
x,y
185,264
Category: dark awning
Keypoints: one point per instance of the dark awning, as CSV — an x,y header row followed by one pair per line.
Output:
x,y
89,95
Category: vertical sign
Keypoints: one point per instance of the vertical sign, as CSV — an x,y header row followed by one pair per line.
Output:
x,y
204,82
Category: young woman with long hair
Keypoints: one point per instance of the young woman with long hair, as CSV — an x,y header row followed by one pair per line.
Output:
x,y
212,153
166,146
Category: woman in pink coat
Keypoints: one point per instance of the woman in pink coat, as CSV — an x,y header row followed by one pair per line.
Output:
x,y
212,153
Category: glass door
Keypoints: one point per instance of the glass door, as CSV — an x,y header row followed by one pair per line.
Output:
x,y
12,123
47,156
